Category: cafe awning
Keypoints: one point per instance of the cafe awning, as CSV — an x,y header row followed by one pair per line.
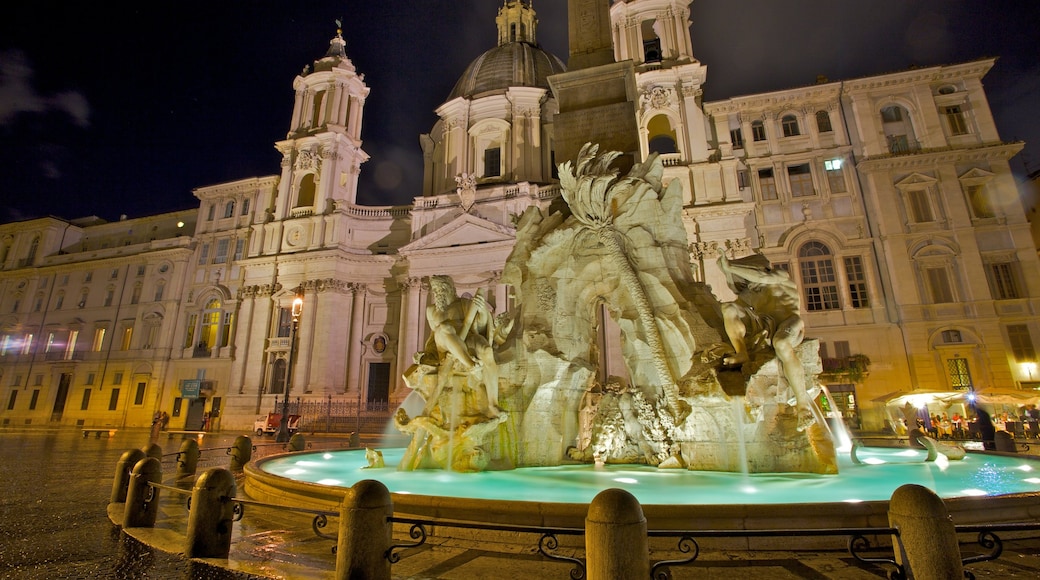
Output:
x,y
994,396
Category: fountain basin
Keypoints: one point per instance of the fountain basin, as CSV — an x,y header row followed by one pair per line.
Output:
x,y
983,488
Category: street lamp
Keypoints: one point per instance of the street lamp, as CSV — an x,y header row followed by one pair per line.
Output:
x,y
1029,367
297,309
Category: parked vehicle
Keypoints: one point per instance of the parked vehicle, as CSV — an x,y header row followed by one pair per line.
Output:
x,y
269,424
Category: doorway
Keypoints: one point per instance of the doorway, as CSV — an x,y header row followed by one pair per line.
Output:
x,y
193,418
61,397
378,382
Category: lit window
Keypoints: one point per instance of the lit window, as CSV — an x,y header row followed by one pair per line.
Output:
x,y
960,376
835,175
99,339
128,333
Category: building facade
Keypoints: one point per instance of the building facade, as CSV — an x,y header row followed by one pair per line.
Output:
x,y
889,199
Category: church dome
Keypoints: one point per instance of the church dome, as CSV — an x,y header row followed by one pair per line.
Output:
x,y
511,64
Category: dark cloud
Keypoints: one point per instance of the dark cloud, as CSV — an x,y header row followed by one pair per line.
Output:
x,y
19,96
133,107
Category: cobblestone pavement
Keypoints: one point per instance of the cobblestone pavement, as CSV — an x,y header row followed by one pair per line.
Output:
x,y
53,525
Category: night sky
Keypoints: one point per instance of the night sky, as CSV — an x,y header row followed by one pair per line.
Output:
x,y
107,111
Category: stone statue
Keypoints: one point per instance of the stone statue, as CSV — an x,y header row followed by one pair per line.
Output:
x,y
461,333
528,389
766,311
433,445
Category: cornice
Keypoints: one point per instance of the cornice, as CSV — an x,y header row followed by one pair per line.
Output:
x,y
929,158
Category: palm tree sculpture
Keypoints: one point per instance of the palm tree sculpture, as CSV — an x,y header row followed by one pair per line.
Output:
x,y
604,204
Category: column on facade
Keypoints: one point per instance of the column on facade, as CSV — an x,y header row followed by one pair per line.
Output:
x,y
408,335
246,310
349,347
354,120
306,357
354,374
336,91
343,107
297,111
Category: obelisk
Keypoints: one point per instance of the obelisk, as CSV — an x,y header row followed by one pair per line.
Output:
x,y
590,40
596,96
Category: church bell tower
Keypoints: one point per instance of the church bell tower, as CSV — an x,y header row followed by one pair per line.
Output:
x,y
321,155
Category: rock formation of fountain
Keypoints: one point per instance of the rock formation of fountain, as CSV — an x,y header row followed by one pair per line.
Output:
x,y
521,389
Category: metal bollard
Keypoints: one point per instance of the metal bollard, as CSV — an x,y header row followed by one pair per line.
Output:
x,y
241,452
126,462
188,460
142,500
153,450
297,442
364,532
211,516
616,544
927,541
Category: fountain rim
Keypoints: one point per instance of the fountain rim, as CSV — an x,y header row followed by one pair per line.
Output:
x,y
260,485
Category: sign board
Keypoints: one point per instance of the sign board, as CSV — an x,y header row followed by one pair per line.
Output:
x,y
190,388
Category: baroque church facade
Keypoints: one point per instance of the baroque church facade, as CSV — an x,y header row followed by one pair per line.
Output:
x,y
889,199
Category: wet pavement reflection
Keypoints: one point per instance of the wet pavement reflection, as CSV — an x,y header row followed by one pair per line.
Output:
x,y
56,485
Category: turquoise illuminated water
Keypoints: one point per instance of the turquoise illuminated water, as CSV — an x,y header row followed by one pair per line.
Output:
x,y
882,472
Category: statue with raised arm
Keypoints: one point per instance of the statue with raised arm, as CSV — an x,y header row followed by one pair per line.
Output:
x,y
767,311
462,331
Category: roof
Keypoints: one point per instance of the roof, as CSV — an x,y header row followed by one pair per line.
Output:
x,y
512,64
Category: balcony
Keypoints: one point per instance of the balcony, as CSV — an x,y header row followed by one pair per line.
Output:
x,y
901,145
853,367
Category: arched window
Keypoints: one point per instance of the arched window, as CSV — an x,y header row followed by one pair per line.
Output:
x,y
790,126
229,209
316,116
823,122
651,43
819,279
210,323
899,131
662,137
305,196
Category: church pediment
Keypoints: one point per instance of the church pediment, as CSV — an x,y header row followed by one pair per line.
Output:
x,y
465,230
